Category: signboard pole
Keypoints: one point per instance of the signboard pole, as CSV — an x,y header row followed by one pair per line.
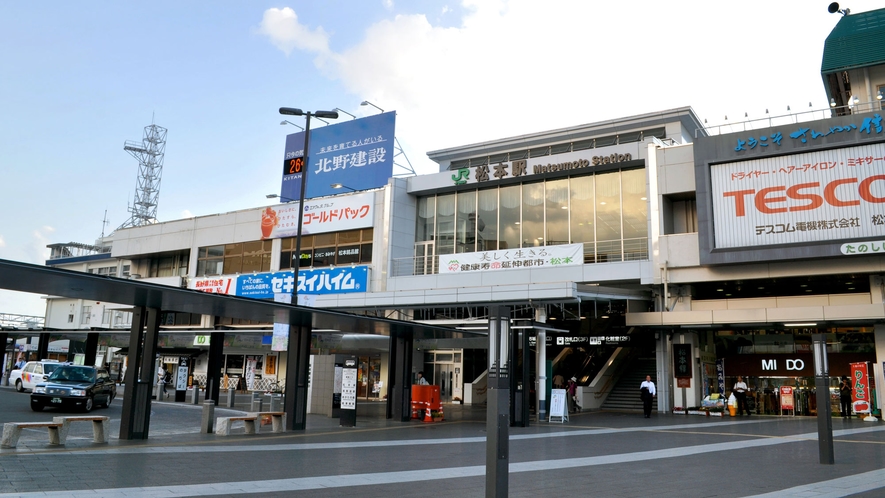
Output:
x,y
498,410
822,392
348,393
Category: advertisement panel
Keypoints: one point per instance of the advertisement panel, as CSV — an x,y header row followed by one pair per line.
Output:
x,y
357,153
818,196
861,399
213,285
320,216
682,360
511,259
787,402
316,281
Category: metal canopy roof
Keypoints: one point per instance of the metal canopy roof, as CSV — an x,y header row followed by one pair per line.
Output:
x,y
24,277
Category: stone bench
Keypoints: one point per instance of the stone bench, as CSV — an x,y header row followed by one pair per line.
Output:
x,y
100,426
58,429
13,430
251,422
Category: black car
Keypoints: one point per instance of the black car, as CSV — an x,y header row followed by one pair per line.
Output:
x,y
75,386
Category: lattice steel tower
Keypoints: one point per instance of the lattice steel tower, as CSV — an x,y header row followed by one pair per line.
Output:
x,y
149,152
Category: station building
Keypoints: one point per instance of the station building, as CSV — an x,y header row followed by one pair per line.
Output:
x,y
644,245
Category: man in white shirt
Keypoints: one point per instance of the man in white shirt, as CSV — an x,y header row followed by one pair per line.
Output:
x,y
647,393
421,380
740,394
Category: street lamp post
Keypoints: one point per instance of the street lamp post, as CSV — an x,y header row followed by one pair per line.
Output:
x,y
286,121
291,111
345,112
366,102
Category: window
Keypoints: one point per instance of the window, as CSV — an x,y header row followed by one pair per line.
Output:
x,y
210,260
168,265
108,271
243,257
607,212
339,248
85,313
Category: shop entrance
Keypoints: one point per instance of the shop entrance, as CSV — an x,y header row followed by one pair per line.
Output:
x,y
369,381
443,376
444,369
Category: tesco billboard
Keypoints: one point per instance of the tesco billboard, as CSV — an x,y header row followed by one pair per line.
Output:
x,y
827,195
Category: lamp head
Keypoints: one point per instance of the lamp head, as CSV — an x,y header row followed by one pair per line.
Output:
x,y
291,111
326,114
832,102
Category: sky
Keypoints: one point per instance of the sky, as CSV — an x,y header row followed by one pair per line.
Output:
x,y
77,80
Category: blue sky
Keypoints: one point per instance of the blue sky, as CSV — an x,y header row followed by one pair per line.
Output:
x,y
79,79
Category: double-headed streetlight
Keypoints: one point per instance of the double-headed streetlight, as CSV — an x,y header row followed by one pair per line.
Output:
x,y
291,111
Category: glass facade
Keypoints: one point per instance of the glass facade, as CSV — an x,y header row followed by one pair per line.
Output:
x,y
229,259
327,249
607,212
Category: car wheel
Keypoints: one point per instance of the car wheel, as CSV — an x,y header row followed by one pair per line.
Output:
x,y
87,407
37,407
107,404
18,386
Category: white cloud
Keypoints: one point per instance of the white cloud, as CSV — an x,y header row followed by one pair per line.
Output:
x,y
37,251
2,242
388,4
186,214
521,66
281,26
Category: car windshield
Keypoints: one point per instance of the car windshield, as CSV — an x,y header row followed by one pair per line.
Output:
x,y
48,368
73,374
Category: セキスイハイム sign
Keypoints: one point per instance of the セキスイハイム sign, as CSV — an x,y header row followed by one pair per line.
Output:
x,y
340,280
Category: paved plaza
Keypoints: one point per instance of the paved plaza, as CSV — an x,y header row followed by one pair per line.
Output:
x,y
594,454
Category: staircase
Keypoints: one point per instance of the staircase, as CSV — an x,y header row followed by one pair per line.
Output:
x,y
625,395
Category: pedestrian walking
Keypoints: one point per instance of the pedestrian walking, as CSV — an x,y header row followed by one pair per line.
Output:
x,y
558,381
845,397
572,389
740,394
161,381
647,393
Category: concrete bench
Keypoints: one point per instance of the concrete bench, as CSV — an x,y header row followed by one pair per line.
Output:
x,y
100,426
58,429
251,422
13,430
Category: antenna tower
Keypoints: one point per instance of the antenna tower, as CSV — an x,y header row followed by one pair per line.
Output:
x,y
149,153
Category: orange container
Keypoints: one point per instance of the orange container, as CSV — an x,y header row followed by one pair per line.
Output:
x,y
424,397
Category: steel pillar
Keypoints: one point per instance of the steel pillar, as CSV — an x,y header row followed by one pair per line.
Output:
x,y
297,370
399,400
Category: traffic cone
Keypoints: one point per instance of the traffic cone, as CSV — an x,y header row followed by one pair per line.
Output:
x,y
427,416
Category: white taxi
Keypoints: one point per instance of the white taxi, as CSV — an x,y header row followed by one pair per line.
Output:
x,y
33,373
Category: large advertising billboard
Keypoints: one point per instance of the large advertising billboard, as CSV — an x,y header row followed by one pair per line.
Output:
x,y
357,154
320,216
818,196
317,281
791,191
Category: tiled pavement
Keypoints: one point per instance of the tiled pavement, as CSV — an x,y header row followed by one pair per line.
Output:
x,y
595,454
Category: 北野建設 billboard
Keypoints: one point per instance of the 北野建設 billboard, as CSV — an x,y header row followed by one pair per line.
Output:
x,y
357,154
